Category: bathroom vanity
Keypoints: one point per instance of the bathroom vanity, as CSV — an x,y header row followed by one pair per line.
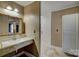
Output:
x,y
10,45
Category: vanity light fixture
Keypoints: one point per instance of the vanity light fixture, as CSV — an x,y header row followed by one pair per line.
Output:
x,y
16,10
9,8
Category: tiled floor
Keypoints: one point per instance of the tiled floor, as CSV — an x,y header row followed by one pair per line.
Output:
x,y
57,52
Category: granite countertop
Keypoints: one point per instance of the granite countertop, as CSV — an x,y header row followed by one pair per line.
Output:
x,y
11,42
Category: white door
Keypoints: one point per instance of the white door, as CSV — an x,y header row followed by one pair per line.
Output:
x,y
70,32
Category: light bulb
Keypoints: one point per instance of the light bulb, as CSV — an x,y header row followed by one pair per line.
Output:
x,y
9,8
16,10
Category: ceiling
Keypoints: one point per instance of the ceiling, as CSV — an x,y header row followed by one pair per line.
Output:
x,y
53,5
58,5
23,3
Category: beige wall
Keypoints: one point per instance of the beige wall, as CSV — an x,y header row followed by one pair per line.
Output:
x,y
31,19
56,23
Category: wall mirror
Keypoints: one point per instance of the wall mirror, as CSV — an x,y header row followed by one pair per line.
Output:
x,y
10,25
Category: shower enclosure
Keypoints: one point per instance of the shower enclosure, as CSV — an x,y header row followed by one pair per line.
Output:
x,y
70,33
